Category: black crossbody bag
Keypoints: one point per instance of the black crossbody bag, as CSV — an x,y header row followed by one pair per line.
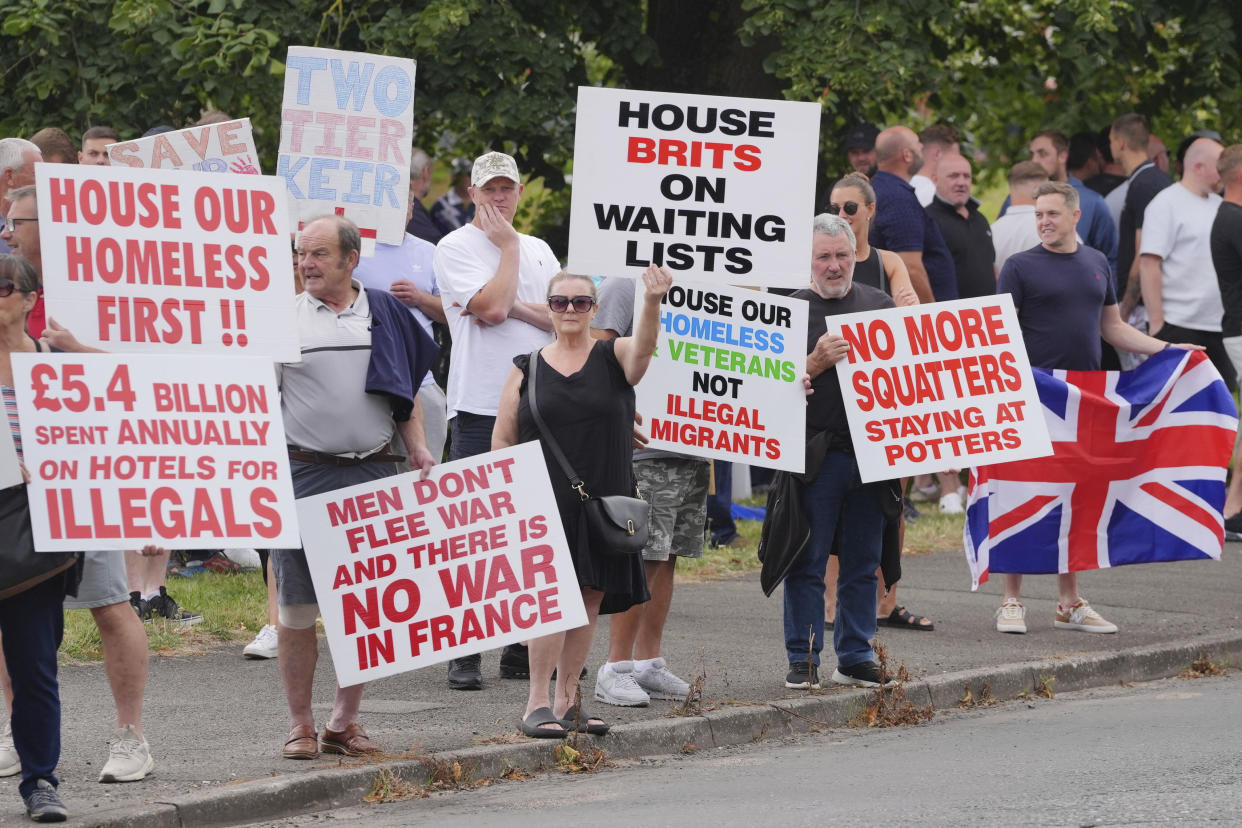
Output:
x,y
616,524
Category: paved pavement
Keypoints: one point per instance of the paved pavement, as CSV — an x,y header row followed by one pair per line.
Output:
x,y
215,720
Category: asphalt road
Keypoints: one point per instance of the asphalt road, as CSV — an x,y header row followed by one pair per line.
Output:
x,y
1167,752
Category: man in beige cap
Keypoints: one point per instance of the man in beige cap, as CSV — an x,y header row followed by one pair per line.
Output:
x,y
493,281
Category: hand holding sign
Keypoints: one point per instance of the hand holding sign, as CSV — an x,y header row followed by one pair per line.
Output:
x,y
829,350
657,281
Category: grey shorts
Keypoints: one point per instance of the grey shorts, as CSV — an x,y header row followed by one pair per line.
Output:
x,y
103,581
293,578
676,488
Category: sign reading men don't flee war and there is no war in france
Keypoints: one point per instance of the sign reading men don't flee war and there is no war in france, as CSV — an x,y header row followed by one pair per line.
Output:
x,y
224,147
345,130
412,572
719,188
933,387
726,378
168,261
122,453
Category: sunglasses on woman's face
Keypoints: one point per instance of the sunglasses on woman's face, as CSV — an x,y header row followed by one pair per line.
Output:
x,y
850,208
580,304
6,288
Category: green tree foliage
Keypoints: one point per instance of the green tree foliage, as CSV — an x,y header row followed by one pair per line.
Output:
x,y
503,74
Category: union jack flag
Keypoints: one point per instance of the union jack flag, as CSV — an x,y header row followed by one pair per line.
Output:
x,y
1137,473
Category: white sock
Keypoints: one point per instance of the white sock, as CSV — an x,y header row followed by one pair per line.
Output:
x,y
641,664
151,595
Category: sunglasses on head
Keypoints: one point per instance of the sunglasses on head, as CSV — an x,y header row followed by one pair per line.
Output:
x,y
850,208
6,288
580,304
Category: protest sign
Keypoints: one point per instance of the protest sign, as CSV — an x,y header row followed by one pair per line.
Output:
x,y
933,387
726,378
224,147
346,125
163,261
10,471
722,187
412,572
121,455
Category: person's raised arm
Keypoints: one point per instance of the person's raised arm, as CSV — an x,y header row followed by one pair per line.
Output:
x,y
634,352
505,431
1125,337
900,286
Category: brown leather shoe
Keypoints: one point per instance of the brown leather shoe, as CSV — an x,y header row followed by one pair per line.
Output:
x,y
302,743
352,741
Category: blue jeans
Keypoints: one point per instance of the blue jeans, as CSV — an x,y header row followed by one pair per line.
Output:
x,y
836,500
32,624
472,434
720,505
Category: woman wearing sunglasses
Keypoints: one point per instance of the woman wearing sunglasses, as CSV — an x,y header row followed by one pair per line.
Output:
x,y
854,200
586,400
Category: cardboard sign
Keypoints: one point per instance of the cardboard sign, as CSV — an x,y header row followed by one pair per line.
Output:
x,y
933,387
346,126
413,572
10,471
165,261
223,147
722,187
726,378
186,452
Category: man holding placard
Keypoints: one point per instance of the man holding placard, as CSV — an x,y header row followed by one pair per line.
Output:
x,y
363,360
493,282
1065,300
835,500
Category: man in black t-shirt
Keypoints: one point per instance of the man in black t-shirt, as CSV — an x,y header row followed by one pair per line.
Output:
x,y
964,228
835,498
1226,242
1128,141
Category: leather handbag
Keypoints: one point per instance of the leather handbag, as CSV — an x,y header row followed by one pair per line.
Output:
x,y
616,524
21,567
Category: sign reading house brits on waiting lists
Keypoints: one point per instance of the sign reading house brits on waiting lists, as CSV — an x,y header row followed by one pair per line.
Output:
x,y
939,386
718,187
726,379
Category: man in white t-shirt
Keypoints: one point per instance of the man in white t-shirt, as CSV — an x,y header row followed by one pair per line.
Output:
x,y
493,282
1015,231
1179,284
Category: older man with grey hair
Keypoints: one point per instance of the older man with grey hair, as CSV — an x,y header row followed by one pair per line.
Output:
x,y
834,499
17,159
419,223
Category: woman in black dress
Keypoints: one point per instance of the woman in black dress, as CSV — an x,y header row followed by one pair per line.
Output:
x,y
586,398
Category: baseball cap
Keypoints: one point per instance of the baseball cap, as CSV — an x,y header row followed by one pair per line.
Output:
x,y
493,165
861,136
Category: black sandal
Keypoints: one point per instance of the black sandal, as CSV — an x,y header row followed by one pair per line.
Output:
x,y
902,619
531,725
577,719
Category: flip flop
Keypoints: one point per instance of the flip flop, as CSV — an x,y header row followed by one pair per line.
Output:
x,y
582,719
902,619
542,716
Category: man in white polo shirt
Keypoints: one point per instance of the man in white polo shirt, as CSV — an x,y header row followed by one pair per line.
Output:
x,y
493,281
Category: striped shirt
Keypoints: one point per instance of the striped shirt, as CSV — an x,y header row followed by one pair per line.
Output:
x,y
10,409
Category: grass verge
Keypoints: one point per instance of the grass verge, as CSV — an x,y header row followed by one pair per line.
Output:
x,y
233,607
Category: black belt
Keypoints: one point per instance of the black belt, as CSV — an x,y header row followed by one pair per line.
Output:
x,y
305,456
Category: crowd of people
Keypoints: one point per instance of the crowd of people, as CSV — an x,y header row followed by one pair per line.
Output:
x,y
1107,259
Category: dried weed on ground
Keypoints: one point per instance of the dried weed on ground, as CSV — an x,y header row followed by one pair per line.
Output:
x,y
890,707
1202,667
969,700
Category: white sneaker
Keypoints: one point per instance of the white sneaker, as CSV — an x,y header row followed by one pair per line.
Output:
x,y
615,684
1082,618
660,683
10,762
951,504
129,757
1011,617
264,644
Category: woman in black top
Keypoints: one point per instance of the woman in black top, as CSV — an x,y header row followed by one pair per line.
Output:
x,y
586,398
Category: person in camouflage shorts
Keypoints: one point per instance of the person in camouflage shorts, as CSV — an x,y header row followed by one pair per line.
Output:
x,y
676,488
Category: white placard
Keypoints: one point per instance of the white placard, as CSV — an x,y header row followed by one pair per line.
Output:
x,y
413,572
346,125
186,452
726,378
226,147
10,471
939,386
164,261
721,187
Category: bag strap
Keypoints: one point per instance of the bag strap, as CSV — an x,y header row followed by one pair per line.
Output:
x,y
575,482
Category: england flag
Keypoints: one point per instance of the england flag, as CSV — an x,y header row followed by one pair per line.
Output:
x,y
1137,473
